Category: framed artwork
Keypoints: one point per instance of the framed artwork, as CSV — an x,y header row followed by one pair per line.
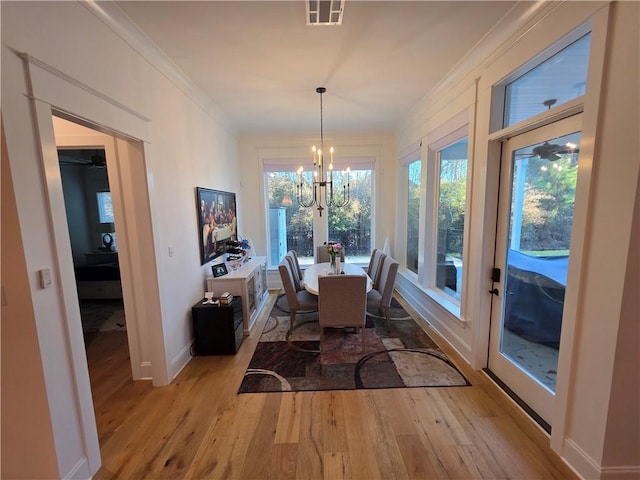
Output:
x,y
219,270
217,222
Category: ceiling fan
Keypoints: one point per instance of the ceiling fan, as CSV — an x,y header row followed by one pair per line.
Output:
x,y
553,151
82,158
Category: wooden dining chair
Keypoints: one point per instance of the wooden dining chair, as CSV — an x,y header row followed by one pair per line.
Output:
x,y
342,302
298,300
380,296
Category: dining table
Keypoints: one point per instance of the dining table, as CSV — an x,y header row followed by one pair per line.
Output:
x,y
312,272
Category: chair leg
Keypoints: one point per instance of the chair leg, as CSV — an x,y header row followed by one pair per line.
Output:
x,y
321,337
292,320
362,335
386,315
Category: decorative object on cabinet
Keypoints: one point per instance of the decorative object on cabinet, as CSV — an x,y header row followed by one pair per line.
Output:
x,y
239,251
249,281
217,222
106,229
217,329
219,269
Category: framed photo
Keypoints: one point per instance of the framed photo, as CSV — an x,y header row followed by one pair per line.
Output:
x,y
217,222
219,269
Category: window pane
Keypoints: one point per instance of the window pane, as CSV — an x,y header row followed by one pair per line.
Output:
x,y
290,226
105,207
413,214
555,81
351,224
452,192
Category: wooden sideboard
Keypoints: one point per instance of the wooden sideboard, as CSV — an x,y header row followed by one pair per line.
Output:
x,y
249,282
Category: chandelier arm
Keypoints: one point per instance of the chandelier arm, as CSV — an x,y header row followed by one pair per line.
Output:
x,y
301,201
345,197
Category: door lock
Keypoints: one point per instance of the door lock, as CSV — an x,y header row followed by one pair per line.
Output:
x,y
495,292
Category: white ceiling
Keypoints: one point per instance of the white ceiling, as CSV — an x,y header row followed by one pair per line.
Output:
x,y
260,64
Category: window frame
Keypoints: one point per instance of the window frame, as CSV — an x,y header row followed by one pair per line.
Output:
x,y
456,129
290,159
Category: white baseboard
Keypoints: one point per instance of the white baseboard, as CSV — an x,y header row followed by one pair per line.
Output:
x,y
145,371
180,361
587,468
581,463
620,473
79,470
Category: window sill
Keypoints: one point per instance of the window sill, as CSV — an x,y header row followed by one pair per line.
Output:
x,y
445,302
450,309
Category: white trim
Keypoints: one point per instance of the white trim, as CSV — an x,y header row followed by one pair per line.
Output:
x,y
450,132
69,300
447,133
179,361
581,214
579,460
50,85
119,23
79,470
433,314
566,110
499,39
631,472
410,154
77,83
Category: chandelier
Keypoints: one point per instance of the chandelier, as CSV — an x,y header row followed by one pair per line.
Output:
x,y
321,184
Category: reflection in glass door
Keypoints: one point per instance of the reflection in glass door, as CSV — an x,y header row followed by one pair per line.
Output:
x,y
533,253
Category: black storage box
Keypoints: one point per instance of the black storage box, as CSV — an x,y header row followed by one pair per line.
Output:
x,y
217,330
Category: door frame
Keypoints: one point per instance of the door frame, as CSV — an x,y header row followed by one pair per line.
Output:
x,y
108,144
534,395
52,93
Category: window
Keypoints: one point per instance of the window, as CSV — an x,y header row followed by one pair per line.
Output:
x,y
555,81
413,214
351,224
452,194
105,207
290,225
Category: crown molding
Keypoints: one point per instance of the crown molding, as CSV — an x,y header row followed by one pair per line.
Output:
x,y
493,44
119,23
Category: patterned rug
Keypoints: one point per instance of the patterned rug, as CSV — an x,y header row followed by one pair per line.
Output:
x,y
404,356
102,315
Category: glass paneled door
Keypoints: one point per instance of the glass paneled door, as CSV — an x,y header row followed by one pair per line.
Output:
x,y
537,196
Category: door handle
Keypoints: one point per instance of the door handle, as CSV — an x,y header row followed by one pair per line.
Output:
x,y
495,292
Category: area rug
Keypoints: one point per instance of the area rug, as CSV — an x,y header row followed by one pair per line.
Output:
x,y
399,357
102,315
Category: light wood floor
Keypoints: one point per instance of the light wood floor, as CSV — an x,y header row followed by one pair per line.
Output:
x,y
198,427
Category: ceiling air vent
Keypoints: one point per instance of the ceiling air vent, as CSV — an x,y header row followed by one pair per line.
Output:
x,y
324,12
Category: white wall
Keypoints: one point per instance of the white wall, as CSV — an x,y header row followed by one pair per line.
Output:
x,y
597,388
185,147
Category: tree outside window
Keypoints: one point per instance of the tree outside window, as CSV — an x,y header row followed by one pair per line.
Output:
x,y
413,214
